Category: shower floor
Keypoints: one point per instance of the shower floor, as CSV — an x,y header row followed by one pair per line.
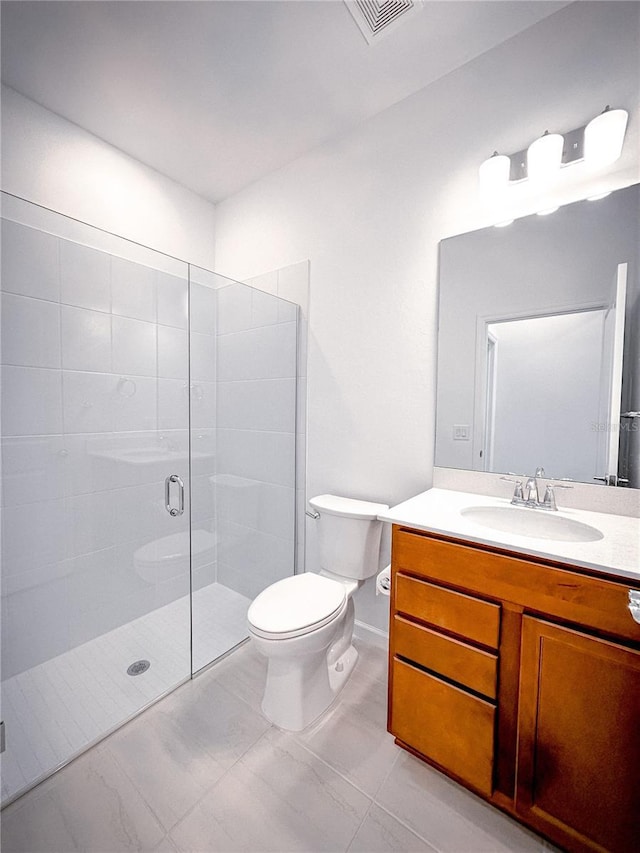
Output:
x,y
55,710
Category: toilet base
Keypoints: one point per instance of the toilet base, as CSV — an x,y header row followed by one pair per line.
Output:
x,y
301,687
309,693
339,673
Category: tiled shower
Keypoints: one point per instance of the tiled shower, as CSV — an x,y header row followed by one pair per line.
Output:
x,y
150,413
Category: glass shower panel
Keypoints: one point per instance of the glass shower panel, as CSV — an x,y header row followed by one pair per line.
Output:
x,y
243,420
95,418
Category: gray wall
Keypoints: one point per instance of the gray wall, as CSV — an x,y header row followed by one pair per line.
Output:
x,y
369,209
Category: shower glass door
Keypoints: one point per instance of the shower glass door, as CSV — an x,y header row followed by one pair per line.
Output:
x,y
243,441
95,497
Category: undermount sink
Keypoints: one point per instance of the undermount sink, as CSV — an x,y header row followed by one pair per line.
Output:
x,y
536,524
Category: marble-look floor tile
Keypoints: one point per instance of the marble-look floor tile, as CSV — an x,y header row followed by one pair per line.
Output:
x,y
278,797
244,674
447,815
352,736
166,761
35,824
203,770
90,806
382,833
223,724
373,661
166,846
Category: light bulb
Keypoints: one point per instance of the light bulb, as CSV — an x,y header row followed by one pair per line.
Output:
x,y
604,138
544,156
494,173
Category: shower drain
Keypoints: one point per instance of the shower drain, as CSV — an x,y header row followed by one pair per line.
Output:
x,y
138,667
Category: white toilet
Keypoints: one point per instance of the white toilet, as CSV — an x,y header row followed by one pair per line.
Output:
x,y
304,624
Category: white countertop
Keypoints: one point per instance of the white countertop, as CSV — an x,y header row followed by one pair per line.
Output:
x,y
439,511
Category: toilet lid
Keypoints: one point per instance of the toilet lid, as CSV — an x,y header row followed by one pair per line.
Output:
x,y
296,603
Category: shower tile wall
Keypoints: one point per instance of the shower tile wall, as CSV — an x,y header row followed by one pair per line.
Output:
x,y
292,283
97,360
243,361
94,407
203,433
256,399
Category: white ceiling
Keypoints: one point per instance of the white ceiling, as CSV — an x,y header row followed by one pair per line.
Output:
x,y
217,94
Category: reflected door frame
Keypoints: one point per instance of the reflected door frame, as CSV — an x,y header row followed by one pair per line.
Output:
x,y
482,430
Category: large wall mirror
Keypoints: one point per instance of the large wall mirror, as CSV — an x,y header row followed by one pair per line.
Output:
x,y
538,352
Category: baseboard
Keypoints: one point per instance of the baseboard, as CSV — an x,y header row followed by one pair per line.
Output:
x,y
371,634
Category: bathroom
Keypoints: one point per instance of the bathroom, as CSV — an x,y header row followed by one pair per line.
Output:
x,y
288,178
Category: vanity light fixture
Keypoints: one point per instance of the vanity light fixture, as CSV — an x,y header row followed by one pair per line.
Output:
x,y
494,172
597,144
544,157
604,137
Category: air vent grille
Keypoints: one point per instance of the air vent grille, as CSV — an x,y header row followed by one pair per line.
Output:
x,y
377,17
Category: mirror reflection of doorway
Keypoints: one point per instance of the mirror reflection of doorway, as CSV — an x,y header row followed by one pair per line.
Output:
x,y
490,410
536,367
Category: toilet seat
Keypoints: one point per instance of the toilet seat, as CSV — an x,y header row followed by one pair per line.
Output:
x,y
296,606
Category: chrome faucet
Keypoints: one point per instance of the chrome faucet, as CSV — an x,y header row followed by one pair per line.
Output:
x,y
529,495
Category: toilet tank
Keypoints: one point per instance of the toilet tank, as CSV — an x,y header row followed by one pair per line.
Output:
x,y
349,535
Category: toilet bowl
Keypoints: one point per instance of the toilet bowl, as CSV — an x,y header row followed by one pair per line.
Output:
x,y
303,624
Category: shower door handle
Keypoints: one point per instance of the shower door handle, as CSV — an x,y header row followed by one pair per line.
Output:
x,y
172,510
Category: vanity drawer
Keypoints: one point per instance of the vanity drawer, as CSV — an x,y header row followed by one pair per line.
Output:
x,y
447,725
468,617
557,590
471,667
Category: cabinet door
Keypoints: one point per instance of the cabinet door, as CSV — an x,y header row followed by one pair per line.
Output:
x,y
578,775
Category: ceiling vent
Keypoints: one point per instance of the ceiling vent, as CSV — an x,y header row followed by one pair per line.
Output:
x,y
376,18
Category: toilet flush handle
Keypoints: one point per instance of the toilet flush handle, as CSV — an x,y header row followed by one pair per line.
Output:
x,y
315,515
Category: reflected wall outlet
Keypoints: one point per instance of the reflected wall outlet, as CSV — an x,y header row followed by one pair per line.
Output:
x,y
461,432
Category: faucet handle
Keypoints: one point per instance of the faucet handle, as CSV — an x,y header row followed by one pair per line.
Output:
x,y
539,472
549,500
518,496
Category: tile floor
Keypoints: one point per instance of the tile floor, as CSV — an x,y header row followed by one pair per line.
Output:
x,y
202,770
54,710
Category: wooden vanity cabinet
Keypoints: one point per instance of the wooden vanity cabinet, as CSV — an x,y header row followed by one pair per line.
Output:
x,y
579,739
520,679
